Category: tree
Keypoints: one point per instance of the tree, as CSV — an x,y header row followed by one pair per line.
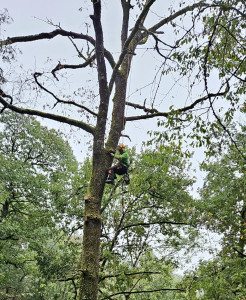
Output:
x,y
35,207
191,45
222,208
223,193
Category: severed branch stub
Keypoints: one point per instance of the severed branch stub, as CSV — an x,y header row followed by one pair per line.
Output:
x,y
60,66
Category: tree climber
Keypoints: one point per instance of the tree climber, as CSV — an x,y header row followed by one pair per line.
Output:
x,y
121,167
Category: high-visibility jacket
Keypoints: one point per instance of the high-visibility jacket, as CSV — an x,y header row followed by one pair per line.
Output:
x,y
123,158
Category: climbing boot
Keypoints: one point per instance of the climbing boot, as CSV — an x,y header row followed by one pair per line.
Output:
x,y
109,181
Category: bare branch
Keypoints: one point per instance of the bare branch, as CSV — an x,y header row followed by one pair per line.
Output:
x,y
153,113
143,107
76,48
186,9
6,96
51,35
54,117
36,75
60,66
47,35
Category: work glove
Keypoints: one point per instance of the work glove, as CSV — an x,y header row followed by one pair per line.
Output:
x,y
111,152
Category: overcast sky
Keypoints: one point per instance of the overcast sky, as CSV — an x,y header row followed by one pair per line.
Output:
x,y
30,17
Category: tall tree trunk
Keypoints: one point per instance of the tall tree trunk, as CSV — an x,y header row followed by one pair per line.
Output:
x,y
92,216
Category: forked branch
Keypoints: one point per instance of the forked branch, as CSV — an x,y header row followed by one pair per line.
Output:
x,y
127,43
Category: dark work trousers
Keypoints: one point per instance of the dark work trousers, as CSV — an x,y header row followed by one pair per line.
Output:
x,y
116,169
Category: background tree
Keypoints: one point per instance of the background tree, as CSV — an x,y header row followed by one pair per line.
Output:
x,y
38,200
222,208
191,52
